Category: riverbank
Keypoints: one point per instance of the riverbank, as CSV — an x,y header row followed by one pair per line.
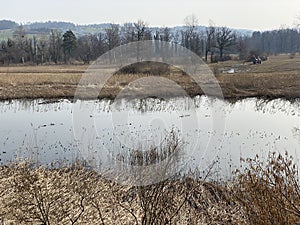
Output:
x,y
279,77
39,195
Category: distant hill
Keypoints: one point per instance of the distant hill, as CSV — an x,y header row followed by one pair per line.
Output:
x,y
7,24
42,28
50,25
79,30
244,32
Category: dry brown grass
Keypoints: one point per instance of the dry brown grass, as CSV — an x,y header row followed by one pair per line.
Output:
x,y
75,195
279,63
265,192
269,190
39,81
277,77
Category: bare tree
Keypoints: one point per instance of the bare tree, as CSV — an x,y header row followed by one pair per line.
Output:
x,y
20,39
112,36
210,41
191,22
127,33
141,31
42,51
191,36
31,49
98,45
225,38
85,49
165,34
176,40
55,46
242,48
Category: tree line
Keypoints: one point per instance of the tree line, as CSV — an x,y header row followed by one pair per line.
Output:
x,y
213,44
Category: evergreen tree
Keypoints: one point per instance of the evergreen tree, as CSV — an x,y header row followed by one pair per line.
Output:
x,y
69,44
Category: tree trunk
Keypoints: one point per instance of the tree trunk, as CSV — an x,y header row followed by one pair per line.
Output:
x,y
206,55
211,56
221,54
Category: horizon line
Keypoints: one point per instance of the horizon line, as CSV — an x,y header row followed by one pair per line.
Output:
x,y
149,25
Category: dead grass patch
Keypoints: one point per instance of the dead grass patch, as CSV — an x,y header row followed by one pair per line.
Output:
x,y
277,77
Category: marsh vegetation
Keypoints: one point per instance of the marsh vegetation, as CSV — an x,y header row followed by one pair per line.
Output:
x,y
277,77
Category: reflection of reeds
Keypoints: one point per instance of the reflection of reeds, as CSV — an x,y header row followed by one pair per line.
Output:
x,y
169,147
142,166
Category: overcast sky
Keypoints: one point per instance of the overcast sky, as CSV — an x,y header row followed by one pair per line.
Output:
x,y
250,14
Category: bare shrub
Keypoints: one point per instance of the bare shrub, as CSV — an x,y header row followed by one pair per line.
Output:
x,y
177,199
76,194
52,196
269,190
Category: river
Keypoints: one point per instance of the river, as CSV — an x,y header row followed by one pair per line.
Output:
x,y
211,131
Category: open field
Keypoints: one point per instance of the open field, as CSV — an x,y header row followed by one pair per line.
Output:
x,y
277,77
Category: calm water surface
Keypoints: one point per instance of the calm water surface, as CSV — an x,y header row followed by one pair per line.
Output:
x,y
211,130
